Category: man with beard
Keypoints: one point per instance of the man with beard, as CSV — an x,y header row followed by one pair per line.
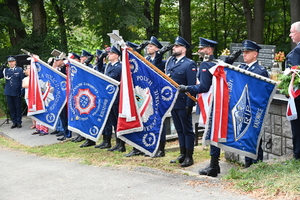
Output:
x,y
183,71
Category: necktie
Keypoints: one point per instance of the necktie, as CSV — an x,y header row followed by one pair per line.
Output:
x,y
175,60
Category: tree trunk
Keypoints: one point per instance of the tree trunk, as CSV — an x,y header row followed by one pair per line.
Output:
x,y
16,32
62,25
255,24
295,8
38,18
156,17
185,22
295,15
147,14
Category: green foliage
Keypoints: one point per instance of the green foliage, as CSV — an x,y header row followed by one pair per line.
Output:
x,y
3,102
284,82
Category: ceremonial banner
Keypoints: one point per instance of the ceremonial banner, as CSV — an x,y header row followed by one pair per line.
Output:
x,y
91,95
249,98
52,85
35,100
154,98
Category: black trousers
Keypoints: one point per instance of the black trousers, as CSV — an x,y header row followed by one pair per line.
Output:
x,y
295,125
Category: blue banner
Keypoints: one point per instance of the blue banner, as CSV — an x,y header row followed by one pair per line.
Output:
x,y
91,95
249,98
155,97
53,86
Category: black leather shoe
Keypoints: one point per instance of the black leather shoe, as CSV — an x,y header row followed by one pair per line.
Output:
x,y
106,145
180,159
121,148
187,162
113,148
59,134
134,152
88,143
19,126
213,172
159,153
62,138
79,139
54,132
99,145
14,126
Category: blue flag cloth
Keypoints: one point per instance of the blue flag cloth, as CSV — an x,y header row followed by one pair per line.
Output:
x,y
249,98
154,98
91,95
53,86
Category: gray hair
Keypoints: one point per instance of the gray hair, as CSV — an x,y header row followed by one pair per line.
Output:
x,y
296,25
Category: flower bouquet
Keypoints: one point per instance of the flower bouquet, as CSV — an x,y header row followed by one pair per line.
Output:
x,y
285,80
279,57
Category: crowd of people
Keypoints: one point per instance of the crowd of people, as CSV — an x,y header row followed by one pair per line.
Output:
x,y
178,67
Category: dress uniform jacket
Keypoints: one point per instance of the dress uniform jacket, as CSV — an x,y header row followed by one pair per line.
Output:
x,y
114,71
184,73
292,59
157,61
14,77
256,68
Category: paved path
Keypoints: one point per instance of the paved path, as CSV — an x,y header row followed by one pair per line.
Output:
x,y
25,176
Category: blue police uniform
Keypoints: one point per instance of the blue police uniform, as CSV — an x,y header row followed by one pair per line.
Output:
x,y
13,91
249,45
89,55
114,71
157,61
293,59
100,66
183,72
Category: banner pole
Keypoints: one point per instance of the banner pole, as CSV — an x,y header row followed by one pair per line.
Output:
x,y
159,72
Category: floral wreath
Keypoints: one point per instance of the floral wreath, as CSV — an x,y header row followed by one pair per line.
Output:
x,y
290,78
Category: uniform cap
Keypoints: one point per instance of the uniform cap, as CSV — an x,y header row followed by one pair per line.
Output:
x,y
154,41
11,58
99,52
249,45
85,53
131,44
115,50
203,42
182,42
74,56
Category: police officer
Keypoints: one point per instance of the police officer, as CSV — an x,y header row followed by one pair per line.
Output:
x,y
86,58
113,70
205,78
154,56
13,90
60,66
183,71
250,53
293,59
100,60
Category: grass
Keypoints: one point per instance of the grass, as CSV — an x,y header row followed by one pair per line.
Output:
x,y
268,180
97,157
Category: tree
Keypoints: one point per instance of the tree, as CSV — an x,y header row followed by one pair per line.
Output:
x,y
185,22
16,29
255,19
62,26
39,18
